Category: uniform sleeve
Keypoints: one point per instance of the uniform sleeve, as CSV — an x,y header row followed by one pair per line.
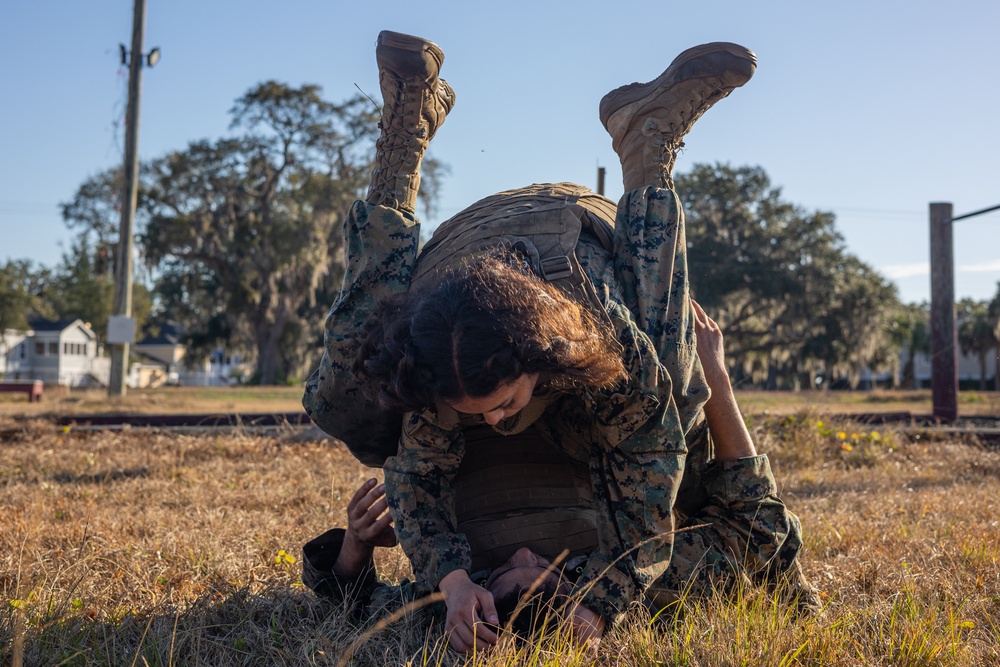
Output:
x,y
635,483
634,446
364,596
422,500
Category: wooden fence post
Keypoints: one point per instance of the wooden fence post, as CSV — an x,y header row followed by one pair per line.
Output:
x,y
944,339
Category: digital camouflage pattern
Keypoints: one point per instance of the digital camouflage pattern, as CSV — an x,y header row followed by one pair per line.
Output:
x,y
751,537
380,250
732,527
632,439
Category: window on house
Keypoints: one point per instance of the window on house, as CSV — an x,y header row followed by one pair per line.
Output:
x,y
54,349
24,349
66,347
83,350
40,349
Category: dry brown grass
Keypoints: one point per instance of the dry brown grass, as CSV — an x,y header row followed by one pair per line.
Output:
x,y
245,400
970,403
62,401
162,549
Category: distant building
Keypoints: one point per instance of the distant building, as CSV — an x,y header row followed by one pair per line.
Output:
x,y
12,352
164,344
62,352
67,353
969,372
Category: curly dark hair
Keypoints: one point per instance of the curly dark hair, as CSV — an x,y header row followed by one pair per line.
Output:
x,y
484,325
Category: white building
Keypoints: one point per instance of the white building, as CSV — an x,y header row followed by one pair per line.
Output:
x,y
219,369
12,352
67,353
61,352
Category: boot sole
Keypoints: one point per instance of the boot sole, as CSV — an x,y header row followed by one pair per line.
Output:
x,y
398,40
633,94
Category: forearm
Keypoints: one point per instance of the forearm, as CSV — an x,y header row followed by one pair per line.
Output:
x,y
325,573
354,557
725,421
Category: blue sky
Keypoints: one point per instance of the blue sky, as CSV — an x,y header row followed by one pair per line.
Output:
x,y
867,109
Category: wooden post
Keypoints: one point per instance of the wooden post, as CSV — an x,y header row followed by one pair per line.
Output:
x,y
123,267
944,339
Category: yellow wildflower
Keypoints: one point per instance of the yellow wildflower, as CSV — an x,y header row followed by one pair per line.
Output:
x,y
284,557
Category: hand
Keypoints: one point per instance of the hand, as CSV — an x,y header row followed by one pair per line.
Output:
x,y
367,517
710,348
369,525
588,626
470,609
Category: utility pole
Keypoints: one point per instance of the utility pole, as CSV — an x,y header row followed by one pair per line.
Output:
x,y
944,348
122,322
944,334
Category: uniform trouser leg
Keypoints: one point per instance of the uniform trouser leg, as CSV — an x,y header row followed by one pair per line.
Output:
x,y
380,248
650,257
636,476
747,532
733,528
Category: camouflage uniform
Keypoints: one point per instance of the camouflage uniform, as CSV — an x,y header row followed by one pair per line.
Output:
x,y
632,438
749,535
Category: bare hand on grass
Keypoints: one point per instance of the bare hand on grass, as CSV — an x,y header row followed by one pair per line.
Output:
x,y
369,525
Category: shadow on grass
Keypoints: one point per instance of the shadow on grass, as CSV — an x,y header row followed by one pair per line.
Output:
x,y
270,627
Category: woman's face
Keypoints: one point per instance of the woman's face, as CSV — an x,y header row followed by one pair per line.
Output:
x,y
507,400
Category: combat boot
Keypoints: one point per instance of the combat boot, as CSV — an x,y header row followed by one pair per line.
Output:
x,y
415,103
648,121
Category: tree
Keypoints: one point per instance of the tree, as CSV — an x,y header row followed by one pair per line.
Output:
x,y
243,234
244,230
793,303
82,286
15,299
910,331
994,314
977,333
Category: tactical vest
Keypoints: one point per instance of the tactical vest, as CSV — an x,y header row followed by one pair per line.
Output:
x,y
522,491
542,222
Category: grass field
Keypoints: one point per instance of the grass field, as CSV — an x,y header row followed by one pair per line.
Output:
x,y
135,548
248,400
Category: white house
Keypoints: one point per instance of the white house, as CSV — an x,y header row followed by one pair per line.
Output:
x,y
67,353
61,352
13,350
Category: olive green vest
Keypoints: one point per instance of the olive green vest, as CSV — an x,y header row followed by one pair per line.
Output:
x,y
522,491
542,221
